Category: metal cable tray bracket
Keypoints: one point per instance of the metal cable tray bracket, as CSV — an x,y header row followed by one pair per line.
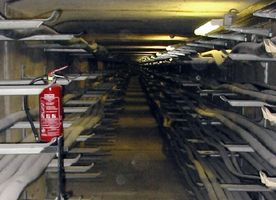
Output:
x,y
82,102
239,148
26,124
245,103
67,162
250,57
251,30
22,90
77,175
73,169
29,148
75,109
245,188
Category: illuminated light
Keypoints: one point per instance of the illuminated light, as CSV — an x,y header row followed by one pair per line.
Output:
x,y
209,27
170,59
170,48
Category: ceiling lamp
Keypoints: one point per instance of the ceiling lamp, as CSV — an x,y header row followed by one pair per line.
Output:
x,y
209,27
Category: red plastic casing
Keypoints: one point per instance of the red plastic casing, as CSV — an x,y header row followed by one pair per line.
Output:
x,y
50,113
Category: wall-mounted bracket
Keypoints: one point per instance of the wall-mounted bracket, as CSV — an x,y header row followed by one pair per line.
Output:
x,y
250,57
21,90
28,148
245,103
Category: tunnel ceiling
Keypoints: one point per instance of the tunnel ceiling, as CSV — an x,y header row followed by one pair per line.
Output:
x,y
128,28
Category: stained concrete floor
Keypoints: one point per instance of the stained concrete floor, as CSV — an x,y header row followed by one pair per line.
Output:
x,y
137,169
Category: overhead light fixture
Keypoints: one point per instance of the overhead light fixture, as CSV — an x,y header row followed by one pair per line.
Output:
x,y
209,27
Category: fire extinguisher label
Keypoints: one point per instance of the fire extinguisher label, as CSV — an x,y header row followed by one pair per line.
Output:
x,y
50,115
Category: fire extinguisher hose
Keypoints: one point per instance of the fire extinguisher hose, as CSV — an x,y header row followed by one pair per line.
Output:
x,y
27,109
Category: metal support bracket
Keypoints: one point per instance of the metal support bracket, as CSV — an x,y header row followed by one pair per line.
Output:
x,y
82,102
239,148
21,90
26,124
266,13
83,138
245,188
236,37
77,176
73,169
250,57
245,103
250,30
27,82
84,150
75,109
67,162
60,169
28,148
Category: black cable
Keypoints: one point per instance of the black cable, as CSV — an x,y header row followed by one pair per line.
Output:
x,y
27,109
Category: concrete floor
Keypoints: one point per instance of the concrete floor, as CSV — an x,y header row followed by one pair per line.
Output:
x,y
138,168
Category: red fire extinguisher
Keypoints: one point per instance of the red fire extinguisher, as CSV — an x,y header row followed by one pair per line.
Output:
x,y
50,109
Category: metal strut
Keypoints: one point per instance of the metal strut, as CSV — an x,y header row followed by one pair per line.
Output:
x,y
61,173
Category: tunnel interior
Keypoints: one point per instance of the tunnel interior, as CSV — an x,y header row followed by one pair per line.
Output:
x,y
143,100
